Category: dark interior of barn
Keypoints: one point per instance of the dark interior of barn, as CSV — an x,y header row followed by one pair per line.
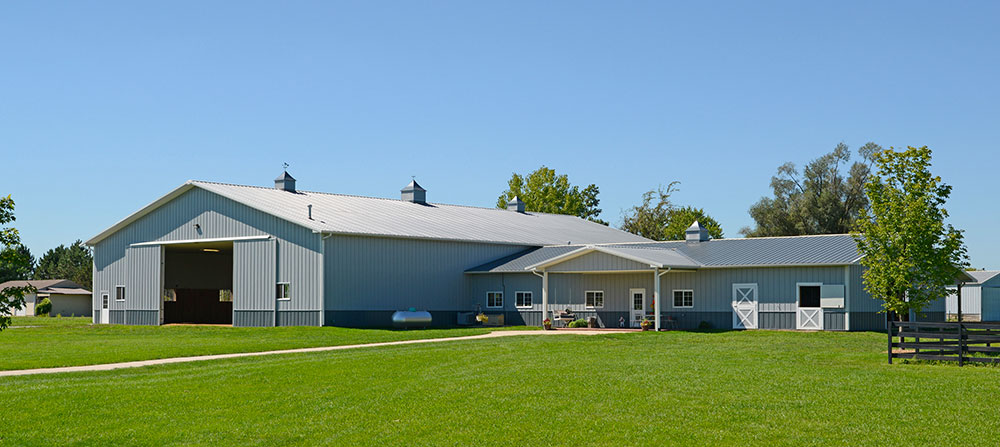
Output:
x,y
198,283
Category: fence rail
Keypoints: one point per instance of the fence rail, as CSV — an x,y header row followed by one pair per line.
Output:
x,y
954,342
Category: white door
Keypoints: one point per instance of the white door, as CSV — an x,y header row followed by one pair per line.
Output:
x,y
808,314
105,313
638,297
744,306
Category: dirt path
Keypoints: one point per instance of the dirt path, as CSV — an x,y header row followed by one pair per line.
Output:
x,y
166,361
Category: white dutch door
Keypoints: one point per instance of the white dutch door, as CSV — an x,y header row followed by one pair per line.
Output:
x,y
744,306
809,315
105,313
638,305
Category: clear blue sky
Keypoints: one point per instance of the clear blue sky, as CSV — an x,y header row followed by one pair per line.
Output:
x,y
105,106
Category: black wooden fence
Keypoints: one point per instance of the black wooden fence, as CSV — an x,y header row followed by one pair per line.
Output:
x,y
955,342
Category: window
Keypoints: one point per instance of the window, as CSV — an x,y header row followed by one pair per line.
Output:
x,y
494,299
104,300
809,295
595,298
522,299
226,296
637,300
119,293
282,291
683,298
169,295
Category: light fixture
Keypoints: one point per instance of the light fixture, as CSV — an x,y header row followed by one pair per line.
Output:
x,y
211,250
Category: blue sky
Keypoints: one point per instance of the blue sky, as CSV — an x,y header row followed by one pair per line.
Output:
x,y
105,106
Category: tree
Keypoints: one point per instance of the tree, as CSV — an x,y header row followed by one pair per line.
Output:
x,y
11,298
820,200
18,263
657,218
74,263
543,191
911,255
679,219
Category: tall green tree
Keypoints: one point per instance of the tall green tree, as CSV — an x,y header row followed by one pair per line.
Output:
x,y
16,263
911,254
822,199
74,263
679,219
544,191
11,298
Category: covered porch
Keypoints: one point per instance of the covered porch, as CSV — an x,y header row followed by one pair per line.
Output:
x,y
621,286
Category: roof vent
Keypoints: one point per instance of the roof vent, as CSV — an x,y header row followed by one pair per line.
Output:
x,y
413,193
516,205
285,182
696,233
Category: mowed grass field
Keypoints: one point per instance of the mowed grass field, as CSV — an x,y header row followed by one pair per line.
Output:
x,y
674,388
34,342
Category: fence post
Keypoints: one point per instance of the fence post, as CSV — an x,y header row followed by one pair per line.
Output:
x,y
961,344
888,329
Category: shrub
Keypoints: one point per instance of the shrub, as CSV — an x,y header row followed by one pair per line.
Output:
x,y
578,323
704,325
43,307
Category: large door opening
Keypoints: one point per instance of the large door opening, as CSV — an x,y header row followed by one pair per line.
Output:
x,y
198,283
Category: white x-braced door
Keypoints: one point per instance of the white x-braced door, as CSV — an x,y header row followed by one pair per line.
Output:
x,y
744,306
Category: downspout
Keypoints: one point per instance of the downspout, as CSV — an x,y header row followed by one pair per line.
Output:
x,y
656,294
545,293
322,274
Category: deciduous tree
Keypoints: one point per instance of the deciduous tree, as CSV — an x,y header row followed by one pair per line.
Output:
x,y
911,254
11,298
544,191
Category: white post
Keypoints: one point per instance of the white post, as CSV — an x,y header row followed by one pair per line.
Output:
x,y
545,295
656,296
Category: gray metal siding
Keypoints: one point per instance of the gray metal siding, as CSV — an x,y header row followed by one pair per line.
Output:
x,y
860,300
383,274
253,318
776,320
972,300
143,288
297,248
116,316
597,261
299,318
867,321
142,317
254,275
834,321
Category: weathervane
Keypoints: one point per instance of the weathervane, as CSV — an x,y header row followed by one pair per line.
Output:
x,y
284,166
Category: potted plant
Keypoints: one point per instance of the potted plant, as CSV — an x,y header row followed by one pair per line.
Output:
x,y
646,324
547,324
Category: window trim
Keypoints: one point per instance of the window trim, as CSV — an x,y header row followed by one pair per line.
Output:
x,y
499,293
124,293
595,306
105,296
288,297
531,299
673,298
798,293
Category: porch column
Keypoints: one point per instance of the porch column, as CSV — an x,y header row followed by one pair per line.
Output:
x,y
545,295
656,296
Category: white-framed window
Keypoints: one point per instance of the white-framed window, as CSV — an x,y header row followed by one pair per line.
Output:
x,y
119,293
594,298
522,299
683,298
283,291
225,295
809,294
494,299
104,299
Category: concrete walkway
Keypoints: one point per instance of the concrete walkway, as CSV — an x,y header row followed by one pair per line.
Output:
x,y
199,358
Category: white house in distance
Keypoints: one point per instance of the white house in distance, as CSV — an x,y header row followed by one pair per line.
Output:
x,y
68,298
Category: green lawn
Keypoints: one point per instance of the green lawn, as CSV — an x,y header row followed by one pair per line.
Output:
x,y
50,342
677,388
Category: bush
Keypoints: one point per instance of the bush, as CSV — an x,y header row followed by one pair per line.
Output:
x,y
578,323
43,307
704,325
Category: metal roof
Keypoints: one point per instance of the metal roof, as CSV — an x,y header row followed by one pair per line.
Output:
x,y
834,249
981,276
346,214
47,285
